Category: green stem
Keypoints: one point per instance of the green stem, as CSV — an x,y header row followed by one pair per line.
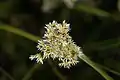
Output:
x,y
96,67
35,39
19,32
7,74
108,69
30,72
56,71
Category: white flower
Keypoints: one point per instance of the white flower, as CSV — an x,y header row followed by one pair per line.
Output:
x,y
57,44
37,57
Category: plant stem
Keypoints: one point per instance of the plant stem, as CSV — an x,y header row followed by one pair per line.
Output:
x,y
19,32
7,74
94,66
30,72
35,38
108,69
56,71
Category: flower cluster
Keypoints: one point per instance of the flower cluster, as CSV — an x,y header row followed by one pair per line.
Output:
x,y
57,44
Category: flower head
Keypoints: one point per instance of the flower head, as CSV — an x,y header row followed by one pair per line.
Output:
x,y
57,44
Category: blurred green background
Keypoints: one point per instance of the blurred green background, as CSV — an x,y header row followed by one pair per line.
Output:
x,y
94,27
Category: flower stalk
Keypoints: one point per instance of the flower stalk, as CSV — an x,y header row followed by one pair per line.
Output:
x,y
57,44
94,66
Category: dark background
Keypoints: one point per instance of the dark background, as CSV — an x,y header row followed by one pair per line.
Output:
x,y
94,27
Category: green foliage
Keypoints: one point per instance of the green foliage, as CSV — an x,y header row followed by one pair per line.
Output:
x,y
94,26
92,10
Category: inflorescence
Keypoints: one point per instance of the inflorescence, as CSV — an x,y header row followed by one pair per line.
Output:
x,y
57,44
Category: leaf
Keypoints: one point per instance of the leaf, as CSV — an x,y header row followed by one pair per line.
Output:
x,y
33,38
19,32
95,67
92,10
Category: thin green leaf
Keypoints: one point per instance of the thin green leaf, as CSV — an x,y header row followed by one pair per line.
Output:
x,y
102,45
6,74
108,69
19,32
96,67
30,72
33,38
92,10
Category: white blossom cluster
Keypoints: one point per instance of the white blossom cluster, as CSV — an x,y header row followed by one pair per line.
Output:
x,y
57,44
